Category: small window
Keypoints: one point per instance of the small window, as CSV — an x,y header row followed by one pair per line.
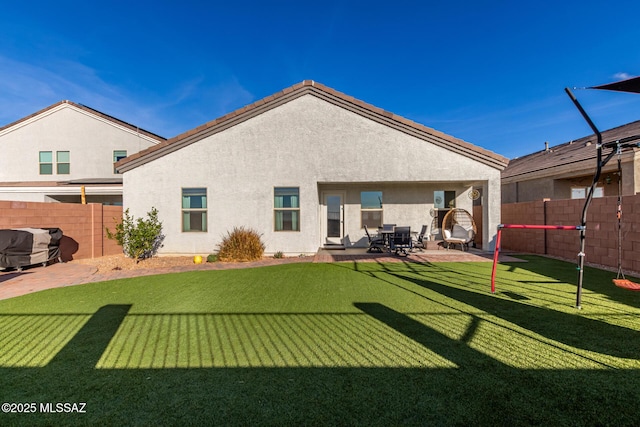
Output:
x,y
46,163
117,156
286,208
578,193
62,163
581,192
194,209
371,209
444,199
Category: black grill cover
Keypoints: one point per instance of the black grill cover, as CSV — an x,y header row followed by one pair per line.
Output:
x,y
29,246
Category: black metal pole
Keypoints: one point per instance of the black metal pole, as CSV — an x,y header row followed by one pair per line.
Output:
x,y
619,214
596,177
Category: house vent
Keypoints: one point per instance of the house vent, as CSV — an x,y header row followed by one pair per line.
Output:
x,y
588,143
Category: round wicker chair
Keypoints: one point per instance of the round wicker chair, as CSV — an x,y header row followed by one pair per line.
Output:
x,y
458,228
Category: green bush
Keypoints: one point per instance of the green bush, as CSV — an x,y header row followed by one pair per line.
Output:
x,y
212,258
278,255
242,244
140,238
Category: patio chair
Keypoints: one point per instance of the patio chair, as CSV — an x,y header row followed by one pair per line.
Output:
x,y
458,228
401,241
375,242
419,242
386,231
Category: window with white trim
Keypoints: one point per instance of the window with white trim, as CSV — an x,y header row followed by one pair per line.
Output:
x,y
45,159
118,155
371,209
194,209
63,165
286,208
581,192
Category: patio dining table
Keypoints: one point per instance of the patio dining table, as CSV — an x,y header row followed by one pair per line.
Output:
x,y
386,234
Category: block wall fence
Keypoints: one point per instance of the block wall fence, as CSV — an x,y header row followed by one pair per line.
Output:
x,y
601,235
82,225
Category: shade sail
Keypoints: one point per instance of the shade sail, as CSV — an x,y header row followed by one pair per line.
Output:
x,y
630,85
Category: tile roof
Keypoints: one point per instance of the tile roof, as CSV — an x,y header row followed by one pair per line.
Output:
x,y
327,94
547,162
90,110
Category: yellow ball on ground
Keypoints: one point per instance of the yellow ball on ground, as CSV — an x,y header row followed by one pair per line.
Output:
x,y
197,259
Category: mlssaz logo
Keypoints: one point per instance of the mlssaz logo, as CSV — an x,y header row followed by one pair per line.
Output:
x,y
65,407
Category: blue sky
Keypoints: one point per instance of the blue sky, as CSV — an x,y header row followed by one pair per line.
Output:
x,y
490,72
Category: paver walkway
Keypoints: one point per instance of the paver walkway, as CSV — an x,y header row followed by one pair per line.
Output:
x,y
14,283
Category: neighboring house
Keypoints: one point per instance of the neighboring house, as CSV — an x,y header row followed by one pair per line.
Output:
x,y
307,167
566,171
59,152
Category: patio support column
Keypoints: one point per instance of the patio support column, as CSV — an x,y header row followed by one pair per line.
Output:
x,y
491,208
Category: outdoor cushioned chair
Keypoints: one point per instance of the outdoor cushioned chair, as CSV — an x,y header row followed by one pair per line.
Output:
x,y
401,241
458,228
375,243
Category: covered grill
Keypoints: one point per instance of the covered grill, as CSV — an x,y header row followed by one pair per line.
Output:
x,y
24,247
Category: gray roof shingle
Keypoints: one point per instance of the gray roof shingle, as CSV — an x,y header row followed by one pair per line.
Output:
x,y
575,151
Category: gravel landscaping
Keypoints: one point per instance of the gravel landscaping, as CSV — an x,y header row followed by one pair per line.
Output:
x,y
112,263
120,262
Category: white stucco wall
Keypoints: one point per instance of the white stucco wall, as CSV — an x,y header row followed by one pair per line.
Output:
x,y
306,143
90,140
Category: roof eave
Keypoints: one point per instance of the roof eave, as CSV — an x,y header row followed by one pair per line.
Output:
x,y
150,135
330,95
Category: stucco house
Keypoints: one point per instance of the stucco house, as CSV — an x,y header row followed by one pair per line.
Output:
x,y
307,167
63,150
566,171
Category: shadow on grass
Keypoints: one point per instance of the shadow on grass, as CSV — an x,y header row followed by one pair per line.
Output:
x,y
576,331
481,391
595,280
515,296
456,351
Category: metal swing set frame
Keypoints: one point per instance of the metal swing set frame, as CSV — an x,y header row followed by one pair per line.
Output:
x,y
614,148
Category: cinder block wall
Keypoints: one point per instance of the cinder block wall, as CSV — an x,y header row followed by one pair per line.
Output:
x,y
601,235
82,225
110,216
529,241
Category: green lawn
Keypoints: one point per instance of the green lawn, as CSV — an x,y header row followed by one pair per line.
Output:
x,y
329,344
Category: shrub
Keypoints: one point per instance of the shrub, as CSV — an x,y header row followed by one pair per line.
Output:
x,y
278,255
212,258
241,244
140,238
